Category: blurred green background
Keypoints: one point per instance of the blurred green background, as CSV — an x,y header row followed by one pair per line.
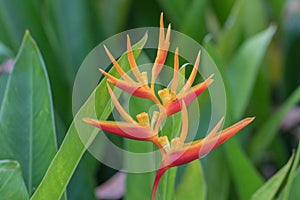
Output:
x,y
66,31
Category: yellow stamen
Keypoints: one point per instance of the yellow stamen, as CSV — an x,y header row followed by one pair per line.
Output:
x,y
164,142
143,119
166,96
176,143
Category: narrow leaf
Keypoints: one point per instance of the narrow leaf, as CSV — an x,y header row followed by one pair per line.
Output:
x,y
291,175
243,70
271,187
263,137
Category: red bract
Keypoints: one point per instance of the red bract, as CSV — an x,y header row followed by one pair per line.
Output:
x,y
175,152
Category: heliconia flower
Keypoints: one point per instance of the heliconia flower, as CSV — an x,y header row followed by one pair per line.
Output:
x,y
140,130
170,101
162,51
137,88
177,152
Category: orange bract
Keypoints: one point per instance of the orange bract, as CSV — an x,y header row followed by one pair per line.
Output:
x,y
175,152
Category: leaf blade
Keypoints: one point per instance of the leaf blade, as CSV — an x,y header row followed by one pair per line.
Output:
x,y
31,140
192,185
68,156
12,185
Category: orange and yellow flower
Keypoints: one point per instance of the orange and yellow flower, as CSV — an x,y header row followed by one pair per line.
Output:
x,y
176,151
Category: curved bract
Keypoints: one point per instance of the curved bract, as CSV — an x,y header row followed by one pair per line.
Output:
x,y
175,152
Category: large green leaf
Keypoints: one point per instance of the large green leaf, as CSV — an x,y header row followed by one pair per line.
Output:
x,y
15,18
217,176
291,177
243,70
271,187
134,188
70,33
242,170
263,137
194,20
26,117
109,23
5,54
295,192
68,156
11,181
192,186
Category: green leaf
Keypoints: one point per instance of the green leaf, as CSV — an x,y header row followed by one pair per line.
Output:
x,y
15,18
105,15
226,45
69,24
263,137
217,175
194,20
192,186
26,116
295,192
134,188
291,175
174,10
5,54
242,170
271,187
11,181
72,148
243,70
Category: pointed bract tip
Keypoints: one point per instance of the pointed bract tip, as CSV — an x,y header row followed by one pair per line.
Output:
x,y
250,119
161,16
102,71
89,121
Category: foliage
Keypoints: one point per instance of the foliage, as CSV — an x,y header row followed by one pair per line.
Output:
x,y
255,45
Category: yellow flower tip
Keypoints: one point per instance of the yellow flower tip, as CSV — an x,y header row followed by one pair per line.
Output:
x,y
143,119
250,119
90,121
109,77
166,96
161,22
168,35
176,143
164,142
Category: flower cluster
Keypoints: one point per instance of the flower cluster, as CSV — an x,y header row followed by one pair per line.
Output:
x,y
176,151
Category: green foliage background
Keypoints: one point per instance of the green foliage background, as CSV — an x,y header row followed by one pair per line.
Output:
x,y
255,45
